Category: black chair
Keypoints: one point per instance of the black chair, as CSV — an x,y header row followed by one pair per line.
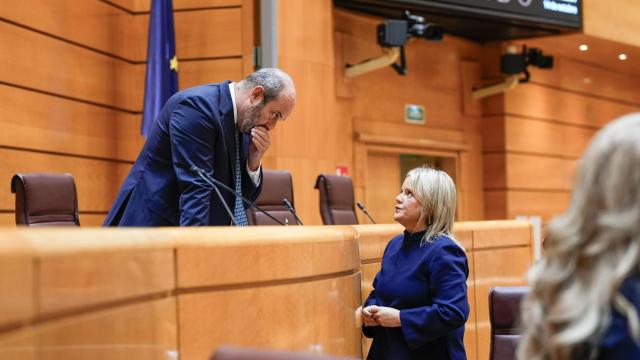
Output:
x,y
277,185
504,315
44,199
337,204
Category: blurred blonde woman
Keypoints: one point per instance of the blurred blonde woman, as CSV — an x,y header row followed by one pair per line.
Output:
x,y
585,291
418,307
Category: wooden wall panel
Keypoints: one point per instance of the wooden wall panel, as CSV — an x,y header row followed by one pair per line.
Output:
x,y
500,204
94,24
542,137
194,73
144,5
54,66
616,22
312,40
383,184
33,120
97,181
18,345
578,76
530,172
558,105
7,218
208,33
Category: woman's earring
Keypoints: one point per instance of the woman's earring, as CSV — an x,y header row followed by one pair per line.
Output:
x,y
430,222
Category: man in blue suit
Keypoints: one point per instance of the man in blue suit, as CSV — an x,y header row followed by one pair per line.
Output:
x,y
222,128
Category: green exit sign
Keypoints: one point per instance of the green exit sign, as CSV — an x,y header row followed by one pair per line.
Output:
x,y
414,114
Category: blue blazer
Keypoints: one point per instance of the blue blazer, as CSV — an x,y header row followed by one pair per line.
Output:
x,y
195,127
428,284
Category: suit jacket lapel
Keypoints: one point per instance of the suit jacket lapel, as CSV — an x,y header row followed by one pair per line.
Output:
x,y
228,124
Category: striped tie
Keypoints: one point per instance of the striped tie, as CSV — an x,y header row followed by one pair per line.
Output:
x,y
238,210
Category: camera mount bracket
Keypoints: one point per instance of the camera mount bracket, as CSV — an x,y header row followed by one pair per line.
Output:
x,y
493,89
388,58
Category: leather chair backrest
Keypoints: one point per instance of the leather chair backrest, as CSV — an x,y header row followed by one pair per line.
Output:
x,y
337,204
277,185
44,199
504,315
233,353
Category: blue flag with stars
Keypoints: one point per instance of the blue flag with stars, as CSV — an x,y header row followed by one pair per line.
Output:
x,y
162,63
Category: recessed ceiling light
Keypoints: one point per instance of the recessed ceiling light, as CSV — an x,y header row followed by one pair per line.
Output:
x,y
583,47
622,57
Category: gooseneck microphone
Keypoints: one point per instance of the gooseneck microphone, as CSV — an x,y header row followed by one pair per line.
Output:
x,y
364,210
203,174
289,207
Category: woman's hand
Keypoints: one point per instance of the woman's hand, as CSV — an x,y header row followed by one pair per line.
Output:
x,y
366,315
386,316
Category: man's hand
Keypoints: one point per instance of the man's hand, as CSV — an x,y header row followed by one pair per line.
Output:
x,y
387,317
260,142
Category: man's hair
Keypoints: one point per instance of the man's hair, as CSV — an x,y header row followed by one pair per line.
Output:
x,y
273,80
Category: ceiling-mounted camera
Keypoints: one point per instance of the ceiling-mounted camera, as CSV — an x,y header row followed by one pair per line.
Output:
x,y
512,63
392,33
392,36
395,33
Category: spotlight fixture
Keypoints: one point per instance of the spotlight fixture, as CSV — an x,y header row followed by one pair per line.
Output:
x,y
622,57
583,47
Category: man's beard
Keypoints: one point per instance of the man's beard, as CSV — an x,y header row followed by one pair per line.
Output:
x,y
251,117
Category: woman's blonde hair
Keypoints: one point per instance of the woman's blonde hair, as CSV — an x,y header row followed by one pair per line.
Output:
x,y
436,192
588,252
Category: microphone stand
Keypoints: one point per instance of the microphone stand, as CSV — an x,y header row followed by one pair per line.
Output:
x,y
364,210
289,207
213,181
201,173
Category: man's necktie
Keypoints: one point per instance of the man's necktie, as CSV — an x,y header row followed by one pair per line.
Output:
x,y
238,210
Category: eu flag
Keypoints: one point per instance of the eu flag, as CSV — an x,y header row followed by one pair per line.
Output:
x,y
162,63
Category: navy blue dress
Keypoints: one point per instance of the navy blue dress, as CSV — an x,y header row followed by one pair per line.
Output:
x,y
428,285
617,343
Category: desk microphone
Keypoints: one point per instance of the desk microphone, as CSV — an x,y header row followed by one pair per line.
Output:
x,y
289,207
364,210
211,181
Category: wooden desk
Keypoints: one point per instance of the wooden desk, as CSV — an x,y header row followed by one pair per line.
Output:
x,y
160,293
